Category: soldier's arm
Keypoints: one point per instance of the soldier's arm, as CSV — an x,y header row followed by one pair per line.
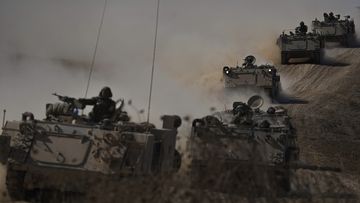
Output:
x,y
85,101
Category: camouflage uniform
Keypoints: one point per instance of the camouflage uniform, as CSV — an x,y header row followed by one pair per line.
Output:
x,y
302,29
249,62
326,17
104,106
332,17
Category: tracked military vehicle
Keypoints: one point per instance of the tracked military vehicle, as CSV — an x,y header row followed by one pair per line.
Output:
x,y
245,150
249,75
334,29
68,153
294,46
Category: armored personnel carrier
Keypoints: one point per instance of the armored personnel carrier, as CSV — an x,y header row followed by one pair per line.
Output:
x,y
335,29
68,153
295,46
245,150
249,75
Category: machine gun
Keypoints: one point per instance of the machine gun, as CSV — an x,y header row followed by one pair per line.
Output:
x,y
70,100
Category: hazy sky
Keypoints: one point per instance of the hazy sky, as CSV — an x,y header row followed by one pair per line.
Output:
x,y
196,39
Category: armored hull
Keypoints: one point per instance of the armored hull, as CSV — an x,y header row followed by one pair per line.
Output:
x,y
46,155
294,46
262,78
243,150
246,151
340,31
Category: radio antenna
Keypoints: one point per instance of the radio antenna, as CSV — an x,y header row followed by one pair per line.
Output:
x,y
153,60
96,47
4,116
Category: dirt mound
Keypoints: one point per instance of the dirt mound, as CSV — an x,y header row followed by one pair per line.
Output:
x,y
328,124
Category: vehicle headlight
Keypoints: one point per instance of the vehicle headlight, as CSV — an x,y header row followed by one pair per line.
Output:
x,y
226,70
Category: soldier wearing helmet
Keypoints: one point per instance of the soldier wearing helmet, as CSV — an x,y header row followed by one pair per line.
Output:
x,y
302,29
242,113
249,62
326,17
104,106
332,18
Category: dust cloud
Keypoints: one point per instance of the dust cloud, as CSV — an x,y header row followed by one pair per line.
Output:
x,y
46,47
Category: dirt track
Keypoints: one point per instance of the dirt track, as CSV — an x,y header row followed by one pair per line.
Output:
x,y
328,124
328,119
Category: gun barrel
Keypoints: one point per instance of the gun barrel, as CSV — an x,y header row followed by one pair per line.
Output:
x,y
66,99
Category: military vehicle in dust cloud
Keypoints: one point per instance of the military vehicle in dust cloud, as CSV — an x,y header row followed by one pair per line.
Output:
x,y
245,150
249,75
67,153
294,46
335,29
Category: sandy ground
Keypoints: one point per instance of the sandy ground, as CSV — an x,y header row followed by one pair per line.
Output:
x,y
328,124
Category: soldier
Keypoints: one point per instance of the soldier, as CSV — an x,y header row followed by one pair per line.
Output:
x,y
326,18
104,106
302,29
332,17
242,113
249,61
